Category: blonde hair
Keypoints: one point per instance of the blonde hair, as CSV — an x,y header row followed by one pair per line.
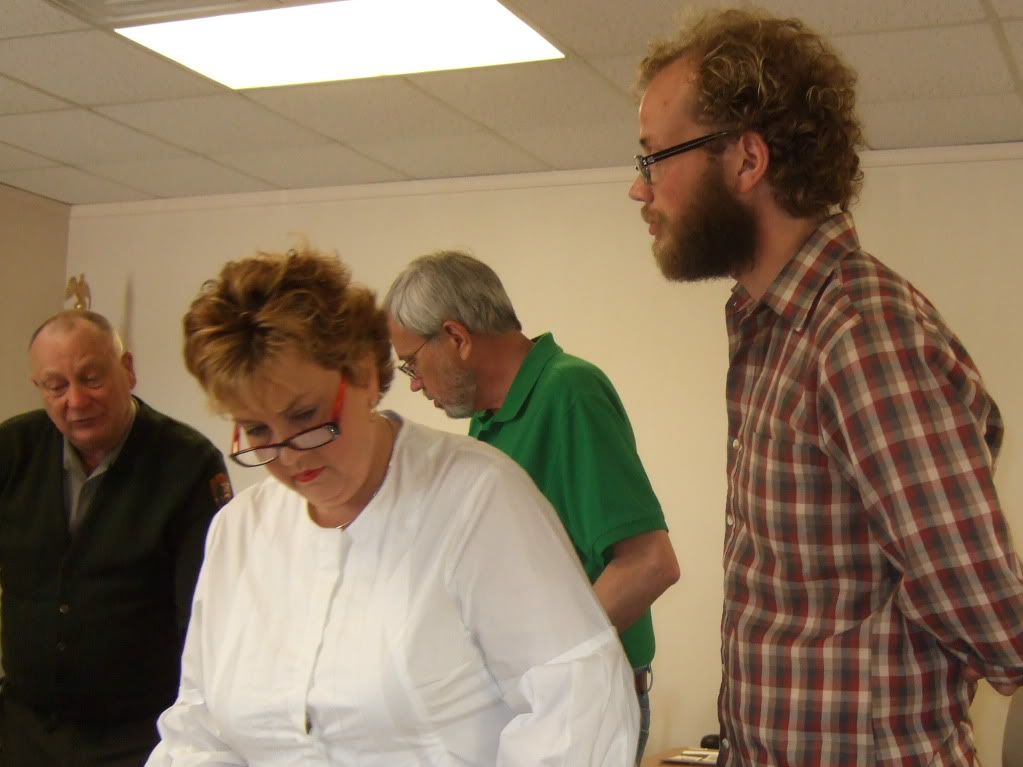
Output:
x,y
779,79
272,303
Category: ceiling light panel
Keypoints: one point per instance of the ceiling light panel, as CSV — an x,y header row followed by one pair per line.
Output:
x,y
345,40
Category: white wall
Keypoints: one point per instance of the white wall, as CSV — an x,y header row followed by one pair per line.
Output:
x,y
33,231
576,259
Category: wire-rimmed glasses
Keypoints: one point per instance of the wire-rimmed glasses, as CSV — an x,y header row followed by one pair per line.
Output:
x,y
408,367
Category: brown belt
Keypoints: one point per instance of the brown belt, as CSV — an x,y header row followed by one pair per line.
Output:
x,y
643,680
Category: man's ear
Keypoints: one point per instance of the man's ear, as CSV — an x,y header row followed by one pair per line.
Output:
x,y
459,335
128,363
748,163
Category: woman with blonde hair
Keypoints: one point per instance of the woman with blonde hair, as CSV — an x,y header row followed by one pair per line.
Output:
x,y
390,595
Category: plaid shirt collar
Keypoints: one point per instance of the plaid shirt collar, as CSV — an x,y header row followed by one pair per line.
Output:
x,y
794,291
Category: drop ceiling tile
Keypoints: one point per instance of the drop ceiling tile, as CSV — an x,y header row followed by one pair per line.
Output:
x,y
70,185
79,137
35,17
943,122
571,147
310,166
97,67
525,95
16,98
620,70
361,110
179,177
213,124
1014,32
610,28
833,18
472,154
942,62
12,158
1008,9
564,113
604,27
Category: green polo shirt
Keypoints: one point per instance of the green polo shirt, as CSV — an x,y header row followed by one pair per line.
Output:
x,y
564,423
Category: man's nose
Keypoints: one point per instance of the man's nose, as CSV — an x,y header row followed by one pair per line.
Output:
x,y
77,396
640,191
415,384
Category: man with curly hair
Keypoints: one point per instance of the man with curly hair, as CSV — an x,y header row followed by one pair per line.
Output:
x,y
870,579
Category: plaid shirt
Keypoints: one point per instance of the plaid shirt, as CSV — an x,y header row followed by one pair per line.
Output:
x,y
867,561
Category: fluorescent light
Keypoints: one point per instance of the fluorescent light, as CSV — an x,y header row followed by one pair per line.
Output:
x,y
345,40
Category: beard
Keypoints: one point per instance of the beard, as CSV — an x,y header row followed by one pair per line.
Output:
x,y
459,397
714,237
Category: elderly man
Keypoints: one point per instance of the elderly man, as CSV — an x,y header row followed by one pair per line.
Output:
x,y
558,416
869,575
104,505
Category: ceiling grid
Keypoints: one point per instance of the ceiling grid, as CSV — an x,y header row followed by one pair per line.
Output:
x,y
87,116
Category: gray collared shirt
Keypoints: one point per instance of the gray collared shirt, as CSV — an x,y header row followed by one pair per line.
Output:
x,y
80,488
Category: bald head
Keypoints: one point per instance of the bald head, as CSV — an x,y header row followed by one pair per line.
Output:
x,y
66,320
86,379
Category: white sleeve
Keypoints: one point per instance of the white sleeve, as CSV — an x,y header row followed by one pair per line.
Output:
x,y
544,637
188,734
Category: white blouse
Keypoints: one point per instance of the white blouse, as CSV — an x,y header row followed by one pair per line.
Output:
x,y
450,625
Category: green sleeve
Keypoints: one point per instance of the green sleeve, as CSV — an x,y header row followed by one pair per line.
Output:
x,y
606,494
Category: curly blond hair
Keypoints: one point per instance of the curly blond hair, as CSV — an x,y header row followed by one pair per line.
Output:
x,y
273,303
777,78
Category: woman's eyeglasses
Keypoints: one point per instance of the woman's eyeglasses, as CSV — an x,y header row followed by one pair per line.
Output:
x,y
310,439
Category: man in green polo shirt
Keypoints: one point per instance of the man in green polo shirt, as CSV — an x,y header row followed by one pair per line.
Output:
x,y
454,328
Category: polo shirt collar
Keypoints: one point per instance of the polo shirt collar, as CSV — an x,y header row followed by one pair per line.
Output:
x,y
544,349
794,291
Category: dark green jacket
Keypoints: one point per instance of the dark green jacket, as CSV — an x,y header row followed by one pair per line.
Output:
x,y
93,626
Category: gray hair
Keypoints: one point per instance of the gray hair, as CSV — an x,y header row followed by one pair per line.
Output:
x,y
66,320
450,285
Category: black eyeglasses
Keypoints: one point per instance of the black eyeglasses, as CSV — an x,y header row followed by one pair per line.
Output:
x,y
310,439
408,367
643,163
